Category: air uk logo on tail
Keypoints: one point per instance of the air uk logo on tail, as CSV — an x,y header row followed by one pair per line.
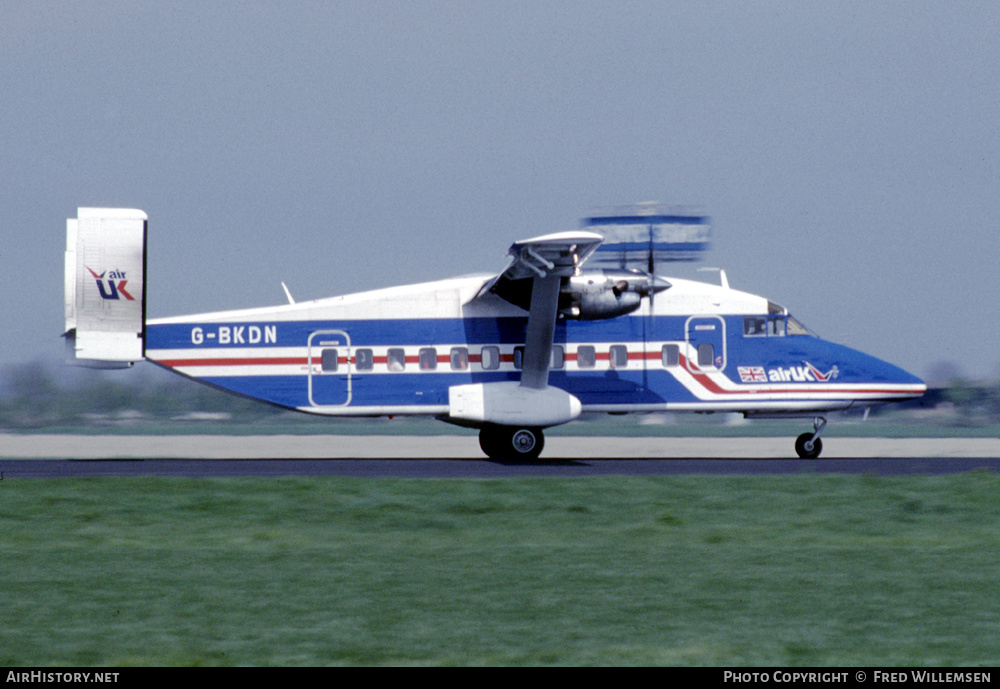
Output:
x,y
112,290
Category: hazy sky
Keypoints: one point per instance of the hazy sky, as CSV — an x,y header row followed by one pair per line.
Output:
x,y
848,152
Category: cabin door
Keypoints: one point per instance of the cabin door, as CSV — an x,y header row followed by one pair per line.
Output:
x,y
706,338
329,380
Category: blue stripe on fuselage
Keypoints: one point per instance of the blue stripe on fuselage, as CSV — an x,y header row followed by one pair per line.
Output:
x,y
387,332
431,389
649,384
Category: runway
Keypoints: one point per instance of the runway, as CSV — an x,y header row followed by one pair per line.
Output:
x,y
458,456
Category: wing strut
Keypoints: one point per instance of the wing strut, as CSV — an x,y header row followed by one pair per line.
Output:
x,y
540,264
545,261
541,328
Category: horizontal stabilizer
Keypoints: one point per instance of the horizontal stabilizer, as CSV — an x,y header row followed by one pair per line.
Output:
x,y
105,288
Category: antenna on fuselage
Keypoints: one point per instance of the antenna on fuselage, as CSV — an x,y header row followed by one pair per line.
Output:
x,y
287,293
723,280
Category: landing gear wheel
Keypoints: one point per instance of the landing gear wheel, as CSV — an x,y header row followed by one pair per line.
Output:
x,y
511,444
807,448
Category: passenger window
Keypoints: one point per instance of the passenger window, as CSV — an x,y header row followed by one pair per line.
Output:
x,y
619,356
558,357
754,326
586,357
364,360
706,355
329,359
518,357
490,358
671,355
428,359
459,358
396,359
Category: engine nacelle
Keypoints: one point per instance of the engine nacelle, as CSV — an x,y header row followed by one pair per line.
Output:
x,y
507,403
597,295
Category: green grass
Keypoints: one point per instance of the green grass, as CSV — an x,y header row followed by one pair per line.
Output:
x,y
803,570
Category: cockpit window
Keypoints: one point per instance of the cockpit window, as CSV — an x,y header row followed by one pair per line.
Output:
x,y
780,322
796,328
776,326
754,326
772,326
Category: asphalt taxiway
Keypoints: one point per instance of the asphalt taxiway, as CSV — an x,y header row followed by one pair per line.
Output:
x,y
458,456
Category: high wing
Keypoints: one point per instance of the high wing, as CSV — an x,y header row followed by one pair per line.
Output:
x,y
562,251
532,281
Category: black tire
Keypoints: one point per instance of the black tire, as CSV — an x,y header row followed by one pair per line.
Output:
x,y
807,453
490,442
511,444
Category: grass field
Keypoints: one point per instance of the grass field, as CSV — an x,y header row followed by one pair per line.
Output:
x,y
798,570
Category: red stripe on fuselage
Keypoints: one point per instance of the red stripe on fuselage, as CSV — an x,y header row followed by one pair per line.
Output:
x,y
702,378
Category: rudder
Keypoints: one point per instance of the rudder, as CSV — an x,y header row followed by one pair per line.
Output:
x,y
105,288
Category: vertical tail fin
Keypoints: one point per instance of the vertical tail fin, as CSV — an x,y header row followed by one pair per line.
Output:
x,y
647,234
105,287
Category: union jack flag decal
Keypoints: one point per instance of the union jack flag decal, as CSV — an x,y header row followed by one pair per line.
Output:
x,y
752,374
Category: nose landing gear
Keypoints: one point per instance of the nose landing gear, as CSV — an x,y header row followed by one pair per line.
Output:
x,y
809,445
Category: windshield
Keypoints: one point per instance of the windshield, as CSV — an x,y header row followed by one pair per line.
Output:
x,y
780,313
796,328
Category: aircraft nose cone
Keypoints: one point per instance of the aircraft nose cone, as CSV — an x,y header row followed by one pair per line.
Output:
x,y
904,377
910,386
919,386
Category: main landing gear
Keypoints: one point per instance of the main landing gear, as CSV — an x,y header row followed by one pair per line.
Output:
x,y
511,443
809,445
